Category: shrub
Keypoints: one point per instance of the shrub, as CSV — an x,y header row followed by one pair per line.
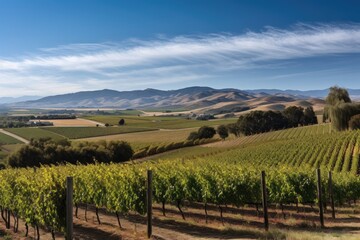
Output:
x,y
206,132
193,136
223,131
354,122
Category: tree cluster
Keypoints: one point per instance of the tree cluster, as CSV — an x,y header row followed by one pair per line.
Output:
x,y
46,151
339,109
264,121
203,132
354,123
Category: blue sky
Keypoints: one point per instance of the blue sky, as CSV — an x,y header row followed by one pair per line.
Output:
x,y
52,47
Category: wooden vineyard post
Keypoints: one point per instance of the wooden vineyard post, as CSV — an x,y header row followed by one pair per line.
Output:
x,y
264,200
321,211
331,195
69,208
149,203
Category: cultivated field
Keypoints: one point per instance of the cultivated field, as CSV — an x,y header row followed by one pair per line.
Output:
x,y
86,132
150,138
159,122
35,133
70,122
5,139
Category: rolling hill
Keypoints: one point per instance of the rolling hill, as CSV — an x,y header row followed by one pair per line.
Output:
x,y
197,99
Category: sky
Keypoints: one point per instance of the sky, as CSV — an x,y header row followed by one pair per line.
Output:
x,y
50,47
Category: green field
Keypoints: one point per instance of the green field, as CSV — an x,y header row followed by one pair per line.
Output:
x,y
150,138
311,146
159,122
36,133
5,139
86,132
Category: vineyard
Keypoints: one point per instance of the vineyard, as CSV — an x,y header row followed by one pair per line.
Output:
x,y
310,147
39,198
224,175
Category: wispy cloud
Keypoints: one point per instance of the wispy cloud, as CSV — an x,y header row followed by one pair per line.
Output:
x,y
178,59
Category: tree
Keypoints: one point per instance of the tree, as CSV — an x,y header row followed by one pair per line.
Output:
x,y
261,121
337,95
233,128
193,136
122,122
310,116
295,115
223,131
354,122
341,114
120,151
206,132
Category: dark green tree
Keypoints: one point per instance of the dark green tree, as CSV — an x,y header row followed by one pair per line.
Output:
x,y
234,129
295,115
354,122
310,116
337,95
122,122
193,136
206,132
223,131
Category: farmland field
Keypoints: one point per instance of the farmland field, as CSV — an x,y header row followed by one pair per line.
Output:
x,y
70,122
159,122
312,146
35,133
144,139
5,139
86,132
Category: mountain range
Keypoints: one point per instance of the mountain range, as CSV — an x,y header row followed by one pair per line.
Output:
x,y
201,99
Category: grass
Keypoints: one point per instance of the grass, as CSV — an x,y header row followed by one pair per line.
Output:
x,y
144,139
35,133
159,122
5,139
5,150
86,132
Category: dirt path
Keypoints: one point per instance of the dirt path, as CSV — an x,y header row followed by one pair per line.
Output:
x,y
237,223
14,136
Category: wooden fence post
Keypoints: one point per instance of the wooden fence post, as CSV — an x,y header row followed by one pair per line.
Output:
x,y
331,195
69,208
149,203
264,200
321,211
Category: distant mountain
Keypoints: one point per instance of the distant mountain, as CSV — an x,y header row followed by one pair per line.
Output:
x,y
4,100
354,93
196,99
192,97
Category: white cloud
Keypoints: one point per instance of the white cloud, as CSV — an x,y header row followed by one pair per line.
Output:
x,y
178,59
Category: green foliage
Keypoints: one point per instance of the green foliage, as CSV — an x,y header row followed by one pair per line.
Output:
x,y
122,122
193,136
295,116
46,151
337,95
310,116
261,121
206,132
234,129
203,132
354,122
39,198
341,114
223,131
